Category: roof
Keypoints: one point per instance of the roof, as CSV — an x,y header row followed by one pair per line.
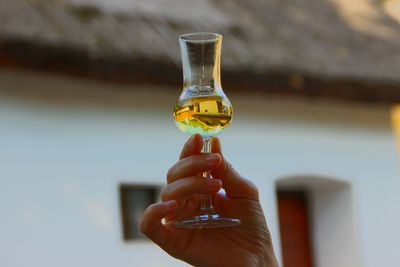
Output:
x,y
345,49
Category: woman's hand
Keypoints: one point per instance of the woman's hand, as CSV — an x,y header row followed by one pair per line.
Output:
x,y
248,244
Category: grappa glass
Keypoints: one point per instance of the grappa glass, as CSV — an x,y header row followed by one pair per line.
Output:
x,y
203,108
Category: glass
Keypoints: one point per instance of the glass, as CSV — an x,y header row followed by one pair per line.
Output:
x,y
203,108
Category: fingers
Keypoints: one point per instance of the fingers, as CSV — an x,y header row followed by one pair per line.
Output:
x,y
151,225
234,184
184,188
192,165
192,146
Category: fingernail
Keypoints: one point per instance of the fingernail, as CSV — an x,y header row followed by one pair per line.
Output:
x,y
170,203
212,158
213,182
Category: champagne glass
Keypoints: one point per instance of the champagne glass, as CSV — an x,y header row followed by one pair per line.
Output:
x,y
203,108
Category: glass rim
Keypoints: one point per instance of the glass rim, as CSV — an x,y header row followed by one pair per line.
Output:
x,y
200,37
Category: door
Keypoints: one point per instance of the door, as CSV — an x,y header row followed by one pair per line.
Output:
x,y
294,229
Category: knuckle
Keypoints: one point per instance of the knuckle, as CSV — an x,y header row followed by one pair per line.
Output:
x,y
253,189
165,192
143,225
229,166
170,173
151,208
193,161
230,169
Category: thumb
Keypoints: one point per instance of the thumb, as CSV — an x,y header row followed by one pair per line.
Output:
x,y
151,224
234,184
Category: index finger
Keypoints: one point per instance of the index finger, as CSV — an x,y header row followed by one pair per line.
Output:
x,y
192,146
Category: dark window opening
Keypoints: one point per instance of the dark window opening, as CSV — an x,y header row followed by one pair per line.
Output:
x,y
134,199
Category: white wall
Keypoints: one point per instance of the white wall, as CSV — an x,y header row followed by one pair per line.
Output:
x,y
66,144
334,230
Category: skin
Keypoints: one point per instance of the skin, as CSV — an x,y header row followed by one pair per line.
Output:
x,y
248,244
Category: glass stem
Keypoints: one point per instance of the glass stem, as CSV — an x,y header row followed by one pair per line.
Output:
x,y
206,200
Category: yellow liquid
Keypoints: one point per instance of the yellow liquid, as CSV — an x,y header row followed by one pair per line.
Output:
x,y
207,116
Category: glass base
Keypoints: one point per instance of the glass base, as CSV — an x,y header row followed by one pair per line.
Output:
x,y
207,221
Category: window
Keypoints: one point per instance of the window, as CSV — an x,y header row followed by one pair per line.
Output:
x,y
134,199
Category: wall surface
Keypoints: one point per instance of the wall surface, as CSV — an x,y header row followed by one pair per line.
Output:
x,y
66,145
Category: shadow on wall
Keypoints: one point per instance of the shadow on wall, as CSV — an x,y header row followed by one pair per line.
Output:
x,y
320,211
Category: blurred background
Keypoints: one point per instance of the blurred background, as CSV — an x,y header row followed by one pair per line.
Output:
x,y
87,89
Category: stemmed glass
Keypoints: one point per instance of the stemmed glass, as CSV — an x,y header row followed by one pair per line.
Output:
x,y
203,108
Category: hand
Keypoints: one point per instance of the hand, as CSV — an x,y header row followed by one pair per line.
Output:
x,y
248,244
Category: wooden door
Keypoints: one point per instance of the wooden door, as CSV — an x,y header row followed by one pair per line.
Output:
x,y
294,229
